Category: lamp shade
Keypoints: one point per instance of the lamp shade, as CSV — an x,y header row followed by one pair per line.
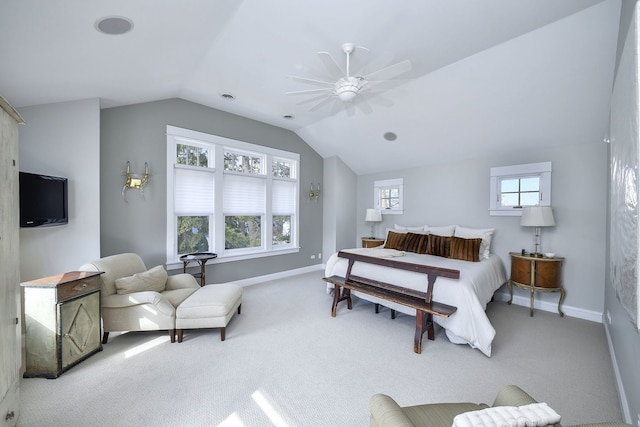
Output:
x,y
373,215
537,216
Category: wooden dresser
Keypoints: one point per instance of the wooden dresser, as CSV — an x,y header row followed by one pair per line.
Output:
x,y
62,319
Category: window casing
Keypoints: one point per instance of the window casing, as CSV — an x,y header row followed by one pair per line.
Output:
x,y
512,187
388,196
230,197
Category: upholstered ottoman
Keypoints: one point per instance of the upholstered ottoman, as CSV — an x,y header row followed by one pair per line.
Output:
x,y
211,306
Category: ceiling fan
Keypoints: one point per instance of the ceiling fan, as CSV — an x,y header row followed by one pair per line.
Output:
x,y
346,89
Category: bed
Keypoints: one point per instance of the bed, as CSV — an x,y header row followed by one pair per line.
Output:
x,y
470,293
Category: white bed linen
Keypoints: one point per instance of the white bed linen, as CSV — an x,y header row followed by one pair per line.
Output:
x,y
470,294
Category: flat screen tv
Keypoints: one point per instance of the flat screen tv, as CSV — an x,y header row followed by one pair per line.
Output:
x,y
43,200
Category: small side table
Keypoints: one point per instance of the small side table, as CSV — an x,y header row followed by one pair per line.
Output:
x,y
536,274
371,242
201,258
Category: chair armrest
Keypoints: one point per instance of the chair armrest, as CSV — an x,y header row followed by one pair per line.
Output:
x,y
138,298
181,281
512,395
386,412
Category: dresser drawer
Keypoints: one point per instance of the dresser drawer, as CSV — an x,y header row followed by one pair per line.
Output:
x,y
78,288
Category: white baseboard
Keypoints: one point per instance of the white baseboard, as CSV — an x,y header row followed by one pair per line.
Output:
x,y
551,307
624,406
279,275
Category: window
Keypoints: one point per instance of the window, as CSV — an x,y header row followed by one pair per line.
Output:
x,y
513,187
387,196
233,198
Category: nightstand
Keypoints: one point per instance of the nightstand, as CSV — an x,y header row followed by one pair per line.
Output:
x,y
536,274
371,242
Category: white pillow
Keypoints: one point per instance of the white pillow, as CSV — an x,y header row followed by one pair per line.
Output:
x,y
445,231
486,234
420,229
153,279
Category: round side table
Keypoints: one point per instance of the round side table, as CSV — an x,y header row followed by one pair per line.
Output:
x,y
201,258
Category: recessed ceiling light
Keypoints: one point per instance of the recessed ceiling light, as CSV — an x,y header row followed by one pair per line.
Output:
x,y
227,96
289,116
114,25
390,136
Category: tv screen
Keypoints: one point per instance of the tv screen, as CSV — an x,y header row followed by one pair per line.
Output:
x,y
43,200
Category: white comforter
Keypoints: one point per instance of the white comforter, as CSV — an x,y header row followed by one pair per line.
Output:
x,y
471,293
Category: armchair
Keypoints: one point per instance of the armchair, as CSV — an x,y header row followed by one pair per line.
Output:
x,y
145,310
385,412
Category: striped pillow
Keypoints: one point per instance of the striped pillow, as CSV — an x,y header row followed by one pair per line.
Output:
x,y
415,243
438,245
395,240
465,249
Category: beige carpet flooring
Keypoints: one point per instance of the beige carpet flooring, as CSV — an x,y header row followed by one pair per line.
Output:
x,y
287,362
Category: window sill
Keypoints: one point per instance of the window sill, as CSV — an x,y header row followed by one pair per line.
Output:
x,y
175,265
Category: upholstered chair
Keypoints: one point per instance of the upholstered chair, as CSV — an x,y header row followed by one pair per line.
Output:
x,y
134,298
385,412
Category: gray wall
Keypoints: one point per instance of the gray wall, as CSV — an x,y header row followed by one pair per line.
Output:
x,y
138,133
340,206
63,139
624,335
458,193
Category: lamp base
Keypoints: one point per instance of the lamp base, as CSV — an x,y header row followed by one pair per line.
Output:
x,y
536,255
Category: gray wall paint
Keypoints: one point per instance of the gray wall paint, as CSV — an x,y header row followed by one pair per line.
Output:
x,y
138,133
340,206
625,337
63,139
458,193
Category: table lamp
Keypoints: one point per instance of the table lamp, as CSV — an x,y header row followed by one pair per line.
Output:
x,y
373,216
537,216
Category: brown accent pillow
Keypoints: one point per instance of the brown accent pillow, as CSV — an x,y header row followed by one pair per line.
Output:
x,y
439,245
414,242
395,241
465,249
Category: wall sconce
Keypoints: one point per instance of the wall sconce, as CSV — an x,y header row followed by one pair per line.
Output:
x,y
135,181
314,193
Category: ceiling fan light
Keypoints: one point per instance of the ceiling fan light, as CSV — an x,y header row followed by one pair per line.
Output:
x,y
347,95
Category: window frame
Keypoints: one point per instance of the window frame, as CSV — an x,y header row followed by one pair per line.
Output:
x,y
540,170
389,184
217,146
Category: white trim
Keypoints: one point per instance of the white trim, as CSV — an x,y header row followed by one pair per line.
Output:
x,y
396,182
551,307
622,396
542,169
280,275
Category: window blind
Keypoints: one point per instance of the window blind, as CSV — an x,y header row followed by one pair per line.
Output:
x,y
244,195
193,192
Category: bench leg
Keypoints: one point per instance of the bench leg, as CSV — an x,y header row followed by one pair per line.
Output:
x,y
180,335
239,307
172,335
337,297
423,321
105,337
222,333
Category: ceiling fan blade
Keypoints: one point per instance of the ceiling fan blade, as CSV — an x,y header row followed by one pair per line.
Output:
x,y
377,63
309,91
321,103
363,105
311,81
389,72
335,71
314,99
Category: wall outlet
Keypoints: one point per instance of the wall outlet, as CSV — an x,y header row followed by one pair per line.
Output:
x,y
319,255
313,257
609,321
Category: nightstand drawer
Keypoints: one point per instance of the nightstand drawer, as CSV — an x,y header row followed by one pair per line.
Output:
x,y
78,288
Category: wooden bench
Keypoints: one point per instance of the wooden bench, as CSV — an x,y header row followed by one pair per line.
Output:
x,y
421,301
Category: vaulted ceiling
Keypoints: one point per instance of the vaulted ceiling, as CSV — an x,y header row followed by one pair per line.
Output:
x,y
487,76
